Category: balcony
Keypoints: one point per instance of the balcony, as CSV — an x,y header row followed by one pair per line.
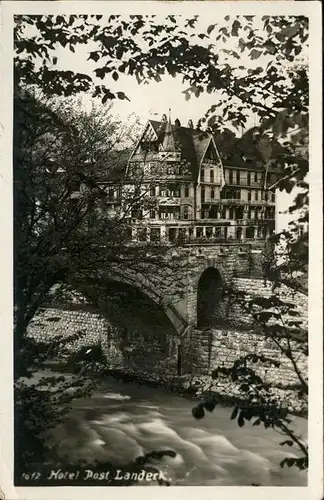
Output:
x,y
233,201
168,200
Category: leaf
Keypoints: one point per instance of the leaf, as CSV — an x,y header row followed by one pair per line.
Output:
x,y
236,25
122,96
287,461
240,420
94,56
254,54
234,413
288,443
210,28
290,31
115,76
270,46
198,412
209,405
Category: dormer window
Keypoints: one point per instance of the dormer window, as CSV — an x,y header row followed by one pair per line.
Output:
x,y
150,146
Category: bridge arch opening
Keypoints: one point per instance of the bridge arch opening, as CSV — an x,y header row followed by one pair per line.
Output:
x,y
142,331
209,298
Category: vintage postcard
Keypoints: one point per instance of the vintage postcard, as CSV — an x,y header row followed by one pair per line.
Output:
x,y
161,299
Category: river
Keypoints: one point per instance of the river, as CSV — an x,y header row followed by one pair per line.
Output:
x,y
124,420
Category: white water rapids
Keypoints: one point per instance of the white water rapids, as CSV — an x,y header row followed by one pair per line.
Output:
x,y
122,421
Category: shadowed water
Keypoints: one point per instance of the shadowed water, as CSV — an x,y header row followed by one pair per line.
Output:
x,y
124,420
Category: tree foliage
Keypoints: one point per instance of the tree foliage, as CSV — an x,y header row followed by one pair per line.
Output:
x,y
147,48
64,161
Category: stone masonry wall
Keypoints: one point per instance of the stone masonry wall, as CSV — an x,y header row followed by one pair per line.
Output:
x,y
123,349
220,347
52,322
255,287
202,351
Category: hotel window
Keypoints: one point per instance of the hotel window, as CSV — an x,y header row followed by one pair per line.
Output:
x,y
209,232
155,234
142,234
255,177
213,212
212,176
238,178
212,193
202,175
202,194
152,214
152,191
239,232
256,195
249,195
199,232
186,213
230,177
186,192
248,179
273,197
266,196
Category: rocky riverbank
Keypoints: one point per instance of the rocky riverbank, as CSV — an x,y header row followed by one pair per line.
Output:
x,y
198,387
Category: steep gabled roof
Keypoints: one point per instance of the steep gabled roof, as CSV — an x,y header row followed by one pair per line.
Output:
x,y
237,152
201,141
192,143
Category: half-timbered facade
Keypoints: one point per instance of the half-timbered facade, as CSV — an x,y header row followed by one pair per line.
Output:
x,y
198,192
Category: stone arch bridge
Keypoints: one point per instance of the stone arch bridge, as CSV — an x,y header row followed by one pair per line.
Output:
x,y
168,320
188,285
